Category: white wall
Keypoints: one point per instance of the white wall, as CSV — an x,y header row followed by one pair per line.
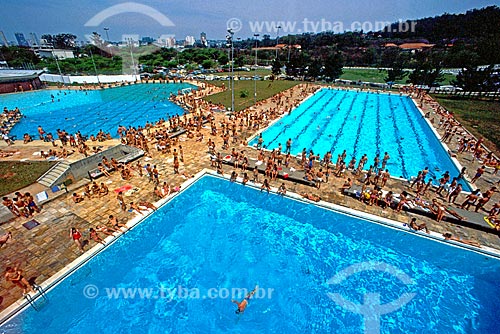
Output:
x,y
87,78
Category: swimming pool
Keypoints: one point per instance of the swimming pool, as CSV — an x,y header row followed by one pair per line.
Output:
x,y
90,111
294,248
363,123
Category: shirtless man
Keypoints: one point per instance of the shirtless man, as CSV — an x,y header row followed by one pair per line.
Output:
x,y
347,185
136,208
418,227
103,190
10,205
114,222
77,198
282,189
121,201
15,276
244,303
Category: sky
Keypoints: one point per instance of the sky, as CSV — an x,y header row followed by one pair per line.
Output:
x,y
176,18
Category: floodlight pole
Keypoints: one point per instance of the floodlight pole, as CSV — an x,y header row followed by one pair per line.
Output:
x,y
255,72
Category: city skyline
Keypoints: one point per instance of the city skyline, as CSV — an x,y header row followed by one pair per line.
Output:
x,y
190,18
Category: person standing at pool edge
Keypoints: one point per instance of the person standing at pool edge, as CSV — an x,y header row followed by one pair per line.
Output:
x,y
244,303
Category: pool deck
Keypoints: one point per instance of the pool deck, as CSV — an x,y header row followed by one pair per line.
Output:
x,y
46,249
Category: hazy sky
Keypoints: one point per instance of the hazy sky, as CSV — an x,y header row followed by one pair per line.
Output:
x,y
190,17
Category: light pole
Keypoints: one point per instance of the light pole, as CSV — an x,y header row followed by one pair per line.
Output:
x,y
58,67
132,56
277,40
230,41
106,29
255,72
95,68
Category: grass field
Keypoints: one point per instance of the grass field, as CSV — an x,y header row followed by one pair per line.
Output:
x,y
16,175
480,117
265,89
260,71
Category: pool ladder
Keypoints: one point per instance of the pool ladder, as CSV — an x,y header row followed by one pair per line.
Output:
x,y
30,298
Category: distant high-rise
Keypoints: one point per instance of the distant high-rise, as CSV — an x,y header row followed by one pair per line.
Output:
x,y
203,40
189,41
3,39
21,41
34,41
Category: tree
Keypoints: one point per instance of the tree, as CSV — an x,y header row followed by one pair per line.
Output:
x,y
276,67
475,79
428,69
207,64
61,41
397,70
315,68
334,63
18,57
239,61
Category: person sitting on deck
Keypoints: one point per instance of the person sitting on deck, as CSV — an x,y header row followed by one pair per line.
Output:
x,y
136,208
418,227
77,198
346,186
94,236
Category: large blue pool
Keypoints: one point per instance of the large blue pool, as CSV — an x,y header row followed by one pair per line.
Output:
x,y
222,235
91,111
363,123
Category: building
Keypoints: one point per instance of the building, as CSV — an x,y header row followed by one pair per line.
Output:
x,y
3,39
189,41
147,40
412,47
19,80
21,40
203,40
166,41
415,46
55,53
34,41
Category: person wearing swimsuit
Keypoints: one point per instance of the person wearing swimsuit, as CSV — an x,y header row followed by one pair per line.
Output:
x,y
244,303
14,275
77,236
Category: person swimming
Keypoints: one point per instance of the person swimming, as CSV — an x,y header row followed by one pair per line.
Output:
x,y
244,303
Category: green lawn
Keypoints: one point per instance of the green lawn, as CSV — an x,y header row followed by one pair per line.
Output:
x,y
260,71
16,175
479,116
265,89
374,75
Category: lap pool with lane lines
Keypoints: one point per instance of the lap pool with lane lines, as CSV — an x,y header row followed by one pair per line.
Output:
x,y
217,234
363,123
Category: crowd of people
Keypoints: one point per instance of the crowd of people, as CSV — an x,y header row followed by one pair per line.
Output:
x,y
160,139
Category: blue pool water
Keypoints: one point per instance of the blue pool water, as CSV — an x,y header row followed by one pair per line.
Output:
x,y
91,111
294,248
359,122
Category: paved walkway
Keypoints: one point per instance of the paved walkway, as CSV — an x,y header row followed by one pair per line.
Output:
x,y
47,248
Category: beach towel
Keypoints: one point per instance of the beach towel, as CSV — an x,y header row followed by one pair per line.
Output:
x,y
123,188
